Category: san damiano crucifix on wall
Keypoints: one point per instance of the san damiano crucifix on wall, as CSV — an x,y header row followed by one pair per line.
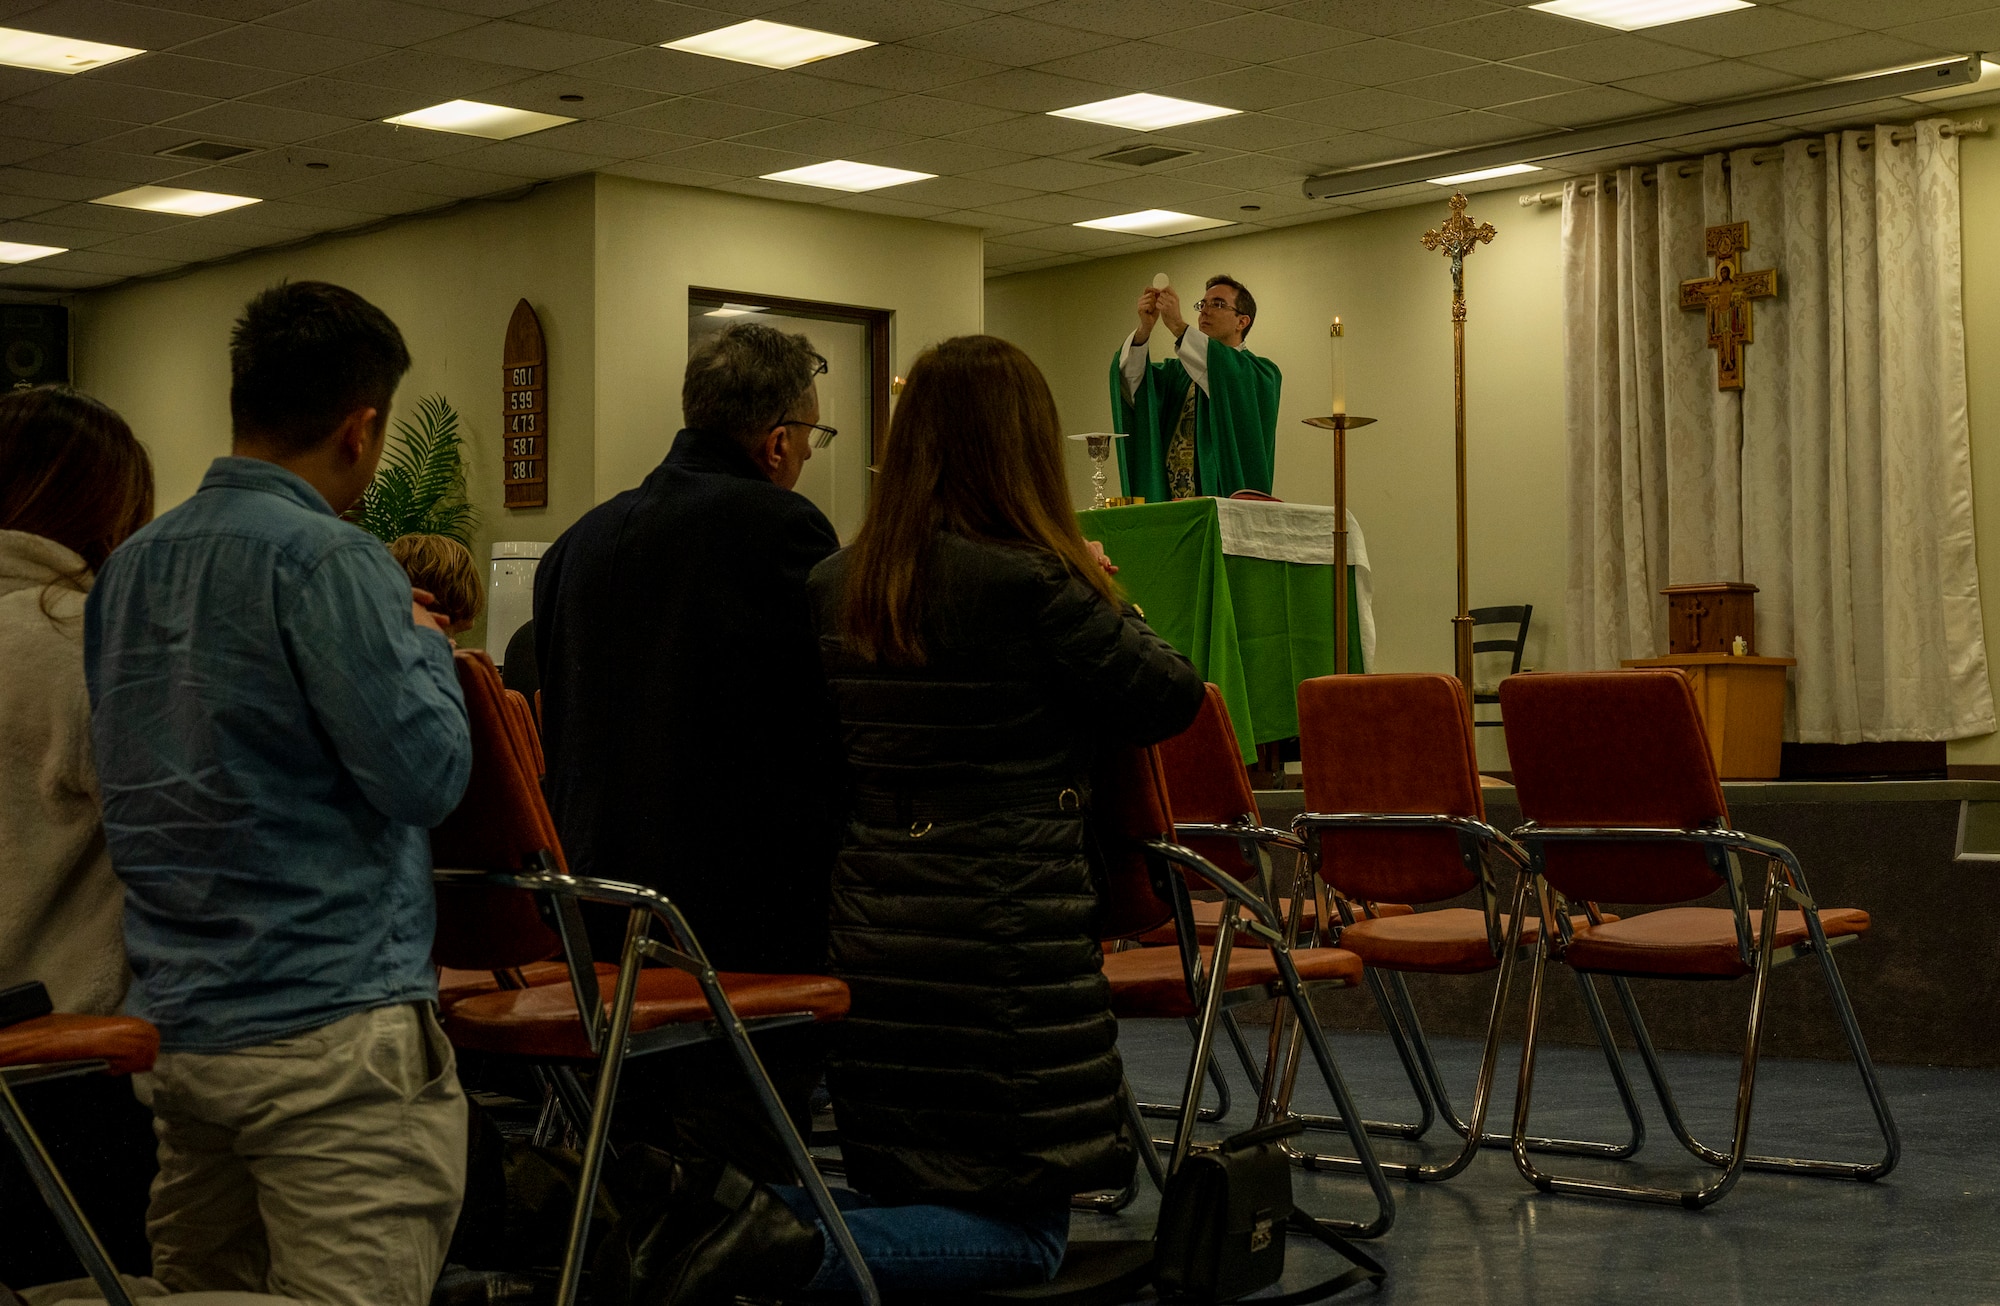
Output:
x,y
1726,297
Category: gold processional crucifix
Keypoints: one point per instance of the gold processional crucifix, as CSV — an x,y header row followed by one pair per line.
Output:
x,y
1726,297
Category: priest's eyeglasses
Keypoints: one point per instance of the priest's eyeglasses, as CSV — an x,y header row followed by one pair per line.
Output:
x,y
824,436
1219,304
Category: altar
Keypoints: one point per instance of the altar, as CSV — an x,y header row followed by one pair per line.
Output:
x,y
1245,589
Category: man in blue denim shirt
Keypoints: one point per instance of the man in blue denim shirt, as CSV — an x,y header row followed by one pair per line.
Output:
x,y
276,726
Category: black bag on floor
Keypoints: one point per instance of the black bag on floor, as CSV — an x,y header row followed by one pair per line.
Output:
x,y
1223,1222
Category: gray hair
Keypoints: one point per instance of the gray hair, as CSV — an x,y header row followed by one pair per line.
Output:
x,y
746,379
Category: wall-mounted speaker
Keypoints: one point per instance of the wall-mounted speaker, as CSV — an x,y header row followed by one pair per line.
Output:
x,y
34,345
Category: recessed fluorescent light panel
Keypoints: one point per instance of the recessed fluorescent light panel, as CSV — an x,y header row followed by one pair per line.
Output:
x,y
769,45
1631,15
1144,113
839,174
57,54
1154,222
495,122
13,252
734,310
1989,80
172,199
1484,174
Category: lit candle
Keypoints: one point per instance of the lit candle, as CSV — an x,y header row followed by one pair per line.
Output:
x,y
1339,370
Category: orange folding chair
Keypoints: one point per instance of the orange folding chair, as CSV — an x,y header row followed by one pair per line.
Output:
x,y
56,1047
1394,810
1622,803
1148,879
505,900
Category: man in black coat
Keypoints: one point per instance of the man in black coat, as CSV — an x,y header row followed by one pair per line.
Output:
x,y
690,742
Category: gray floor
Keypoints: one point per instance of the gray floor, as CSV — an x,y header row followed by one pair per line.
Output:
x,y
1929,1233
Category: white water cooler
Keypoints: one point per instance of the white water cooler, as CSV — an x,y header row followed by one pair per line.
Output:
x,y
510,592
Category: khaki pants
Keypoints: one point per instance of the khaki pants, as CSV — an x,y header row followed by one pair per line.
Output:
x,y
328,1166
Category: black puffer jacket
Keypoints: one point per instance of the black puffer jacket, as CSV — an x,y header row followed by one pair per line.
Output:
x,y
979,1064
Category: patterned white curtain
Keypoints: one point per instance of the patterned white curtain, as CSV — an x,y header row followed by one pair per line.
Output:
x,y
1838,481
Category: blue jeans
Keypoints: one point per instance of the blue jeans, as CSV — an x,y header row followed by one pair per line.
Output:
x,y
937,1248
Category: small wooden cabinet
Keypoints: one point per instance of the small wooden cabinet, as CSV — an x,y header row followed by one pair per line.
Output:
x,y
1742,702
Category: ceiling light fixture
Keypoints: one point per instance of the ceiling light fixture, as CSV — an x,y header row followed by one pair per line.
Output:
x,y
172,199
1144,112
1154,222
1694,120
57,54
1632,15
734,310
495,122
769,45
14,252
1484,174
841,174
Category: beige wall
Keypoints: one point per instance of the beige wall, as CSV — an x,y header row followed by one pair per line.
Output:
x,y
1979,200
654,241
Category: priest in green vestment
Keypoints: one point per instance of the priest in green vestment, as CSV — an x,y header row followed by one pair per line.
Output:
x,y
1205,421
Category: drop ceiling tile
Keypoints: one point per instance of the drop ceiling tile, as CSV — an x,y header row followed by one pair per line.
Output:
x,y
1721,80
1592,104
1067,240
175,245
60,128
1385,17
1459,130
296,218
1259,38
1863,52
1269,207
38,232
991,223
1048,174
643,170
1052,261
84,161
110,265
874,202
674,72
1038,133
826,138
1247,171
1485,85
1748,31
20,81
734,159
342,99
1319,213
899,68
401,144
638,22
1964,32
1141,65
1352,150
206,77
1375,63
1364,110
257,46
452,181
1256,88
876,20
22,206
544,93
105,218
256,122
386,22
1130,18
129,104
149,27
261,184
1507,34
1254,131
375,198
705,118
317,163
437,77
1166,192
523,158
777,190
1012,42
925,115
943,158
1611,59
1028,91
1051,208
30,276
799,94
524,46
234,11
611,140
14,149
52,186
1875,14
963,192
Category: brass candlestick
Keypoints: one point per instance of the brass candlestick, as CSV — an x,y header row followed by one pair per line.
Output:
x,y
1340,424
1099,445
1458,237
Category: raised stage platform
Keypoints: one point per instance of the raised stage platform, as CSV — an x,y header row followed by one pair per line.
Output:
x,y
1922,857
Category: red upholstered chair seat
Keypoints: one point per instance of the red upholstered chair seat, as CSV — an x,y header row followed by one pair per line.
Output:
x,y
128,1045
541,1022
1149,981
1450,941
454,986
1692,941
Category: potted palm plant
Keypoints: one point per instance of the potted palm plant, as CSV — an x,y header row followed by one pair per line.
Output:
x,y
420,487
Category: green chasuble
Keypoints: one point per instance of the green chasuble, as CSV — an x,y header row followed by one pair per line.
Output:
x,y
1235,423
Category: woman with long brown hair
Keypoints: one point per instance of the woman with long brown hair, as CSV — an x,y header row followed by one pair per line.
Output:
x,y
74,483
978,656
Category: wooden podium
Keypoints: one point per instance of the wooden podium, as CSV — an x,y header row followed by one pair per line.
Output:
x,y
1742,702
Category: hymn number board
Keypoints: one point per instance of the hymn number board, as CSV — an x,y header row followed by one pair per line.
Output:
x,y
524,411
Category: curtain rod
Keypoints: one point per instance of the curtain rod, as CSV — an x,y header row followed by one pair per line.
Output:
x,y
1968,127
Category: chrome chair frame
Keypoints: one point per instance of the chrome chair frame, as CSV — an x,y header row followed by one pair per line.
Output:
x,y
1475,839
610,1038
1784,882
48,1180
1207,991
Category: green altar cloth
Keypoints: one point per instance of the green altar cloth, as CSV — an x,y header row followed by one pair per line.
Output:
x,y
1253,626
